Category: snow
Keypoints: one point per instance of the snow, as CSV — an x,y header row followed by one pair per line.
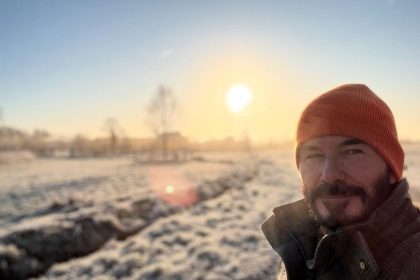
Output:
x,y
118,218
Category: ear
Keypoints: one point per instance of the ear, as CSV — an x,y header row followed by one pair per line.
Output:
x,y
392,179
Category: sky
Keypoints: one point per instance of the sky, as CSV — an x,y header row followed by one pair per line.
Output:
x,y
67,66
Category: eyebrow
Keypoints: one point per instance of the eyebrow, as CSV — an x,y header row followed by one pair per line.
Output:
x,y
353,141
309,148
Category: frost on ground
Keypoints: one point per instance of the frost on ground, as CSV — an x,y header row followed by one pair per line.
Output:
x,y
116,218
119,219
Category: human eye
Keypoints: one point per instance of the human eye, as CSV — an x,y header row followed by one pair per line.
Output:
x,y
353,151
313,156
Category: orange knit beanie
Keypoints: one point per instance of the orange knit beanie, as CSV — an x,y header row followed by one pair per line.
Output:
x,y
353,110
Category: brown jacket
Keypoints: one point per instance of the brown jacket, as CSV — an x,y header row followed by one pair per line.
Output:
x,y
386,246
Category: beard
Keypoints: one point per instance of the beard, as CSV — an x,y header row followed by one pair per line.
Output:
x,y
337,217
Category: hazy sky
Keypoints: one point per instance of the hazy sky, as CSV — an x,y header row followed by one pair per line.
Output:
x,y
66,66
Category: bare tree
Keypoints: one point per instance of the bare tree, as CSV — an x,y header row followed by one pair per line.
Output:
x,y
161,112
38,142
80,147
112,129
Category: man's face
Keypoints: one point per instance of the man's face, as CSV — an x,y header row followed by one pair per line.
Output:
x,y
344,179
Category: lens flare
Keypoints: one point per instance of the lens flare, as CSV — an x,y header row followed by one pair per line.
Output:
x,y
169,189
171,186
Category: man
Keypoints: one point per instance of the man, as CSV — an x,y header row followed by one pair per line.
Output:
x,y
357,220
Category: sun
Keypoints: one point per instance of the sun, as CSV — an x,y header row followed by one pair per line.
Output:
x,y
238,97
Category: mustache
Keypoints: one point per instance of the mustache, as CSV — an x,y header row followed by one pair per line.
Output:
x,y
337,188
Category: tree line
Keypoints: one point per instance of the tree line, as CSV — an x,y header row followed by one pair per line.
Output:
x,y
161,117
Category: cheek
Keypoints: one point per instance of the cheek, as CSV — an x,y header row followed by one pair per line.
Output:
x,y
365,175
366,165
357,167
310,177
360,169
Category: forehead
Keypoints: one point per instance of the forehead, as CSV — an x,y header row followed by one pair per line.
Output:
x,y
325,142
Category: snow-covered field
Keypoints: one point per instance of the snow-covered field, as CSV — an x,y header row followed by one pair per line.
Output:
x,y
122,219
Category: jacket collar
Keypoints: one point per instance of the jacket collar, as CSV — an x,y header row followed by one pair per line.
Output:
x,y
387,226
292,234
291,229
385,213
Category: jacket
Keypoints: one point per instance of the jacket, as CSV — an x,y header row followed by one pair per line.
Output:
x,y
385,246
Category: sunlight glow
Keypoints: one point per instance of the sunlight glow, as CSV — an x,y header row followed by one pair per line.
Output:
x,y
170,189
238,97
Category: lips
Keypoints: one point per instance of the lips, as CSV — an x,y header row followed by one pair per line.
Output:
x,y
335,193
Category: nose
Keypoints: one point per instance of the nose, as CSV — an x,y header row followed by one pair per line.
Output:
x,y
332,171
